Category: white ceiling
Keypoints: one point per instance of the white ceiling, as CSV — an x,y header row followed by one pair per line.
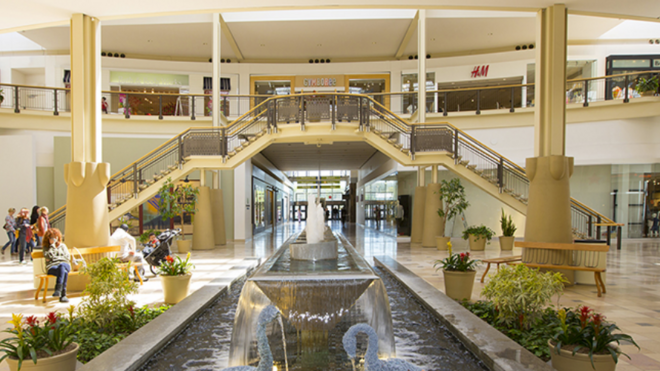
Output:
x,y
299,156
17,15
189,37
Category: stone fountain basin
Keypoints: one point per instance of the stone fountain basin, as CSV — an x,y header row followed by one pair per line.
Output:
x,y
324,250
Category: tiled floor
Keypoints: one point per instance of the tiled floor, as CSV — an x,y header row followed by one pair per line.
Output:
x,y
633,285
632,299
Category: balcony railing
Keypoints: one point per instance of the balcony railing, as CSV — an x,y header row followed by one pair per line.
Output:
x,y
447,101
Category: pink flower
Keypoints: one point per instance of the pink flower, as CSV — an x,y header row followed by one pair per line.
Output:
x,y
585,313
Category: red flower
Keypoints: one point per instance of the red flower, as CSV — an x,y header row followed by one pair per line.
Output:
x,y
598,320
467,254
51,317
31,321
585,313
131,310
169,259
462,256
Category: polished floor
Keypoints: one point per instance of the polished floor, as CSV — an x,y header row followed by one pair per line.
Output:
x,y
632,299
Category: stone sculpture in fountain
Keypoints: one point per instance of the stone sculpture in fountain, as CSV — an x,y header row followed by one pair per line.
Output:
x,y
317,241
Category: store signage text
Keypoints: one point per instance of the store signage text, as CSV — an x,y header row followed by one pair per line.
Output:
x,y
480,71
320,81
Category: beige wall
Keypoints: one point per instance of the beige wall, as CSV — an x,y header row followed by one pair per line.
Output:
x,y
45,190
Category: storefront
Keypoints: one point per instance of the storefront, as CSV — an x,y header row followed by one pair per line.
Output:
x,y
271,200
622,64
355,84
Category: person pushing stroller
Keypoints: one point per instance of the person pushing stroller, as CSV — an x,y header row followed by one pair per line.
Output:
x,y
128,252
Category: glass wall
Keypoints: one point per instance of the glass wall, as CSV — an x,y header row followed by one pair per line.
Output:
x,y
259,203
409,83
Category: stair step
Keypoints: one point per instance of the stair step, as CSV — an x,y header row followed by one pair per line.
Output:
x,y
238,149
398,145
405,150
508,190
231,153
261,134
393,141
143,186
172,167
472,167
384,136
523,199
478,172
458,158
252,139
464,162
377,132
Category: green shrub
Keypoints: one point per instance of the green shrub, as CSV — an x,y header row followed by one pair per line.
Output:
x,y
521,294
508,228
478,231
106,296
452,195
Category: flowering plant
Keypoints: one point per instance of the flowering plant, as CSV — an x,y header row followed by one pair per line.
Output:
x,y
586,331
32,340
456,262
175,266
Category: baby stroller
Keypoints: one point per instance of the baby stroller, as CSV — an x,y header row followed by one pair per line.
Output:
x,y
155,255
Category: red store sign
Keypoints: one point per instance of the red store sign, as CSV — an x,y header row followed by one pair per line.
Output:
x,y
480,71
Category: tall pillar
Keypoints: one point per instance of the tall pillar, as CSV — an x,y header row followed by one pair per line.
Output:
x,y
433,224
421,66
203,231
86,176
419,205
549,208
217,37
434,174
218,211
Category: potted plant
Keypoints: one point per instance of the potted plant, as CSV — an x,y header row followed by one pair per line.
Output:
x,y
478,236
647,87
584,341
2,96
177,201
459,271
508,229
452,195
175,276
46,347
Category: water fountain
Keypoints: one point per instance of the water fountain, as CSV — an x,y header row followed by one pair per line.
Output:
x,y
316,242
320,299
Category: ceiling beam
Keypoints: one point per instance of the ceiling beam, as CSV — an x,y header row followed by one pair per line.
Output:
x,y
406,38
228,35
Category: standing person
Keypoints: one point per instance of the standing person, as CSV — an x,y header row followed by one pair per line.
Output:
x,y
104,105
655,227
128,252
377,214
57,259
10,227
24,235
35,214
43,224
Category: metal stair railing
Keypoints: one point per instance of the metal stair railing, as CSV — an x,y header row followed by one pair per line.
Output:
x,y
365,112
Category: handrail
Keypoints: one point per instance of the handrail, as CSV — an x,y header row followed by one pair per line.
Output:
x,y
372,112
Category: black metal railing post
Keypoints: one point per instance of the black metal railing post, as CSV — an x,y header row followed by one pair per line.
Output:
x,y
513,99
332,111
609,235
500,174
223,143
302,113
625,90
445,113
413,141
180,150
127,109
224,105
55,111
17,108
360,118
366,113
192,109
598,221
586,96
136,180
275,115
478,102
455,145
160,107
618,237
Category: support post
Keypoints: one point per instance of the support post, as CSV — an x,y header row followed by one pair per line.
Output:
x,y
434,173
586,94
55,111
215,58
444,113
625,89
513,99
127,108
421,66
17,107
192,108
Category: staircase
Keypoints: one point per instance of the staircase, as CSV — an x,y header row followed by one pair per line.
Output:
x,y
327,117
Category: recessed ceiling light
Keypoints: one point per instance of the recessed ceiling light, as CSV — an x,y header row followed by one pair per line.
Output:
x,y
205,43
433,39
148,41
319,44
490,34
263,44
374,43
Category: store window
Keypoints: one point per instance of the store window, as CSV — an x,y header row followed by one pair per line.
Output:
x,y
626,64
225,87
409,83
580,69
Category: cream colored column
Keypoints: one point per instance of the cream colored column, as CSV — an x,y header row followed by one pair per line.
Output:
x,y
433,225
419,205
217,38
549,209
218,211
434,174
421,66
86,176
203,231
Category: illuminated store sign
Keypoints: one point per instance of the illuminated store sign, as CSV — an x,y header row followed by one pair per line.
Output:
x,y
480,71
319,81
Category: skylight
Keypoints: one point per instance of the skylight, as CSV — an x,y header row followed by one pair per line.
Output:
x,y
633,30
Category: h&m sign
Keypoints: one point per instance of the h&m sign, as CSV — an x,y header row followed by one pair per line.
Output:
x,y
480,71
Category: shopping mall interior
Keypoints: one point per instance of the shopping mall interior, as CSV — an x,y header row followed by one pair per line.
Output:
x,y
283,115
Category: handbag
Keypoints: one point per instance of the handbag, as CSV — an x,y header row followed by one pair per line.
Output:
x,y
77,264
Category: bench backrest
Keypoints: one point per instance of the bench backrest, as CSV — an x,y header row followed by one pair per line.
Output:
x,y
90,254
564,246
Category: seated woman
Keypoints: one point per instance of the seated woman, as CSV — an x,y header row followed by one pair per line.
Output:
x,y
57,261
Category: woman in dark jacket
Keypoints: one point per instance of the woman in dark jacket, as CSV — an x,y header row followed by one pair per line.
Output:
x,y
25,233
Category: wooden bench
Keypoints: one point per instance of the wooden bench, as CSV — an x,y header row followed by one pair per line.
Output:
x,y
578,261
498,261
91,256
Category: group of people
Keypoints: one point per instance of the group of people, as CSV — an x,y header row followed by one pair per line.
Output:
x,y
25,231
